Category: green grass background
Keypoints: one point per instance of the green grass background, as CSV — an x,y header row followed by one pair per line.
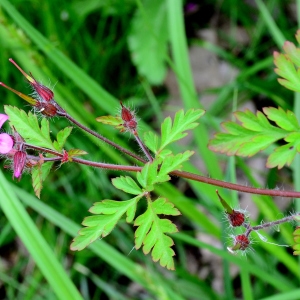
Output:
x,y
82,47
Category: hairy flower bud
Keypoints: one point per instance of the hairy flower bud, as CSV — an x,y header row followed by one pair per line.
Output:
x,y
19,163
47,109
241,242
236,218
43,92
128,117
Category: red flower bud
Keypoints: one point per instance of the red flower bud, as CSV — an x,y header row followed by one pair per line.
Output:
x,y
19,163
43,92
128,118
241,242
47,109
236,218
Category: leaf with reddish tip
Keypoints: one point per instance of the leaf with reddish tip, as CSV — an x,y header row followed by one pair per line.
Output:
x,y
256,133
75,152
116,122
39,174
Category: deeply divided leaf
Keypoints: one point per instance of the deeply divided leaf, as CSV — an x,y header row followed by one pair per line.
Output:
x,y
171,132
127,184
151,232
107,214
287,66
256,133
151,141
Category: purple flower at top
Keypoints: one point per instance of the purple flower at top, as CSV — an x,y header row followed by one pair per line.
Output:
x,y
6,141
191,7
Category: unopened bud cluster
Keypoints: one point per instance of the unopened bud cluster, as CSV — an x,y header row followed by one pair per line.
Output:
x,y
12,146
236,218
43,97
129,119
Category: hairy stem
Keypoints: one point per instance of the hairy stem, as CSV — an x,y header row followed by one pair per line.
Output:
x,y
102,138
271,224
142,146
182,174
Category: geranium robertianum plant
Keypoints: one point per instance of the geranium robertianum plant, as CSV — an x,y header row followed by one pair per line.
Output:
x,y
253,133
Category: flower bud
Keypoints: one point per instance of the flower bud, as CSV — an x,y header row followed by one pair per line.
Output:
x,y
236,218
43,92
241,242
19,163
128,118
47,109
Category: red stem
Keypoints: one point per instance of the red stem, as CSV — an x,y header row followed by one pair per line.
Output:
x,y
182,174
102,138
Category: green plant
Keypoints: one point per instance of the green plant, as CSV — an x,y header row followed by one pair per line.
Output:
x,y
103,31
254,134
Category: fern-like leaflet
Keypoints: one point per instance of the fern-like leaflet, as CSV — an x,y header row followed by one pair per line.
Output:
x,y
256,133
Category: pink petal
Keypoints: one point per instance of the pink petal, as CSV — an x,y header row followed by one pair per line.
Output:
x,y
6,143
3,118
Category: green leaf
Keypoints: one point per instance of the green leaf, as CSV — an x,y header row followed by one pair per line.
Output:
x,y
162,206
182,122
253,135
108,213
151,232
296,235
172,163
148,175
127,184
75,152
286,68
286,120
256,134
28,127
147,40
151,141
39,174
281,156
116,122
61,138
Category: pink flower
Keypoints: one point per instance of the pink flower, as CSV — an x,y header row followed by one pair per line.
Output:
x,y
6,141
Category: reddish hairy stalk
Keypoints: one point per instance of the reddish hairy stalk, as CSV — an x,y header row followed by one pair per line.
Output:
x,y
102,138
270,224
236,187
143,147
182,174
